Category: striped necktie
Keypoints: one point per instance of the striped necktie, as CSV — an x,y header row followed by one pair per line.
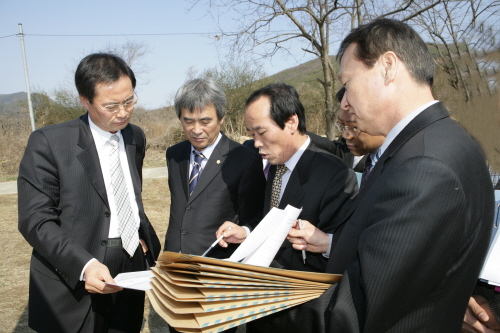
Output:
x,y
276,189
127,226
196,172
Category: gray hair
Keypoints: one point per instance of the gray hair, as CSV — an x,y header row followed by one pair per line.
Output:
x,y
198,94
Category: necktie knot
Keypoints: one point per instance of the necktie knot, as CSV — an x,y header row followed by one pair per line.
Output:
x,y
276,188
196,172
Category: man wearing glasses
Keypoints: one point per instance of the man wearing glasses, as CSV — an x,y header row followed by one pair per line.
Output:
x,y
80,208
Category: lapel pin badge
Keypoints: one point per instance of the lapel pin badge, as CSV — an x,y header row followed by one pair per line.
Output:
x,y
218,162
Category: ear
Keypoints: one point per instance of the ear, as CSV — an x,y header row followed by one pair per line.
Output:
x,y
292,123
221,121
85,102
390,64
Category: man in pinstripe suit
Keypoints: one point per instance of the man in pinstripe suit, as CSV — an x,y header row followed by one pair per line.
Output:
x,y
412,245
72,205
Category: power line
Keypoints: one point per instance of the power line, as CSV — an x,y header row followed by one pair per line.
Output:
x,y
148,34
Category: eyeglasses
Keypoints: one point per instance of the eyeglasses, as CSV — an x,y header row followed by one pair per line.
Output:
x,y
127,106
350,130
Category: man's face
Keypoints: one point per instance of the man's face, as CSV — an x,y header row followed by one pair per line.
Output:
x,y
274,143
120,91
201,126
364,92
360,144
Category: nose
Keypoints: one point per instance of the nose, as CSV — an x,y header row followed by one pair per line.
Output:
x,y
197,129
343,103
347,134
257,143
122,112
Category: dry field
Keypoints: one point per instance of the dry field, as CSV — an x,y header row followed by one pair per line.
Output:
x,y
15,254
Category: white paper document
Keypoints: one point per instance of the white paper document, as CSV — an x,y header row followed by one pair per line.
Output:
x,y
134,280
491,267
263,243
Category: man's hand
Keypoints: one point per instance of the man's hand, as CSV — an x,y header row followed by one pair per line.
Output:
x,y
309,238
236,234
144,246
95,276
479,317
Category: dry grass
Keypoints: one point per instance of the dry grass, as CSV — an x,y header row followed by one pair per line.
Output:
x,y
15,254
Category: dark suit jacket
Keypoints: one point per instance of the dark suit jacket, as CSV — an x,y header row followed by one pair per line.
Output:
x,y
324,187
232,183
413,243
64,215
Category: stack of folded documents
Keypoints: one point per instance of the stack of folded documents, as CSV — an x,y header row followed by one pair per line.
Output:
x,y
198,294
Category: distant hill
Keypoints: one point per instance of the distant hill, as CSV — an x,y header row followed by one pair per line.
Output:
x,y
307,72
9,102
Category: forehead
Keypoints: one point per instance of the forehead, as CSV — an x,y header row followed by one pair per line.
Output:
x,y
348,61
258,113
207,112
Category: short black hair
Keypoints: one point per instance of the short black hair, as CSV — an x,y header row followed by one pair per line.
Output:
x,y
285,103
382,35
97,68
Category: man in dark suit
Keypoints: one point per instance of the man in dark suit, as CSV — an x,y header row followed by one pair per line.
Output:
x,y
228,177
80,208
313,179
412,245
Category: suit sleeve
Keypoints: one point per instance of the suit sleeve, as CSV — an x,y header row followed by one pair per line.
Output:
x,y
39,211
417,225
251,192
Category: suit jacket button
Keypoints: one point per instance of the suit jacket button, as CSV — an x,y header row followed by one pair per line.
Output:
x,y
107,214
104,242
184,232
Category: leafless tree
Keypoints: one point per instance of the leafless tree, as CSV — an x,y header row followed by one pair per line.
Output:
x,y
133,53
463,39
268,27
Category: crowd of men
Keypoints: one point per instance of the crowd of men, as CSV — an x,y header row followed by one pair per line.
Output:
x,y
409,237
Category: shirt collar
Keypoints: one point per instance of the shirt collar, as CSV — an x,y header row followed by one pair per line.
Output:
x,y
292,162
101,136
394,132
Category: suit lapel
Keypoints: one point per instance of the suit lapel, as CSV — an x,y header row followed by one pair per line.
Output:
x,y
214,165
294,193
90,159
130,148
430,115
269,189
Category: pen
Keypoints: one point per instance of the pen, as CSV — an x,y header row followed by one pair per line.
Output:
x,y
303,251
235,219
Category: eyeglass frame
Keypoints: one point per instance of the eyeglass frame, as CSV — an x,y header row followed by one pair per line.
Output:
x,y
351,130
127,107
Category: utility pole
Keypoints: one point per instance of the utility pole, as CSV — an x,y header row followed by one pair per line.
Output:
x,y
30,106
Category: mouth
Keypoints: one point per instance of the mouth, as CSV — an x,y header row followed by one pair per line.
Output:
x,y
198,139
264,156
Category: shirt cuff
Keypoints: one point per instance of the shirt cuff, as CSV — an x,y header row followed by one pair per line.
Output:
x,y
247,229
327,253
82,275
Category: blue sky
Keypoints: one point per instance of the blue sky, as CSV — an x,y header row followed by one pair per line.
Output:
x,y
53,59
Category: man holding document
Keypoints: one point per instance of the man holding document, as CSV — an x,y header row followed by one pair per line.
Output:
x,y
302,175
412,245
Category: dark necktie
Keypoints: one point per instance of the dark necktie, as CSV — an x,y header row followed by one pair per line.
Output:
x,y
366,171
266,169
276,189
196,172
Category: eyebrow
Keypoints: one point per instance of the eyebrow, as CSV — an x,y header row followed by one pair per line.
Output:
x,y
258,127
125,100
201,119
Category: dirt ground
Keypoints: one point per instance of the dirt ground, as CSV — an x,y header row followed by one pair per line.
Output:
x,y
15,253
